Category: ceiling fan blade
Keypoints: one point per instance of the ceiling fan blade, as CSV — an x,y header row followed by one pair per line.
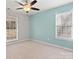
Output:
x,y
33,2
35,8
20,3
19,8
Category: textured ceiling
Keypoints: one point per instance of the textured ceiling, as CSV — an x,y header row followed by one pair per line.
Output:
x,y
41,4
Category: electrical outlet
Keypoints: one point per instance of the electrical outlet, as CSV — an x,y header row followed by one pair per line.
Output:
x,y
48,39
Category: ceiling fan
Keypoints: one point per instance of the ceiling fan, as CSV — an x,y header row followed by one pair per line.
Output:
x,y
27,6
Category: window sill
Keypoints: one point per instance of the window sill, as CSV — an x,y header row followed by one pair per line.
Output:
x,y
61,38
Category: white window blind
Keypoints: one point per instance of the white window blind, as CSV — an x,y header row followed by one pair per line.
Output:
x,y
64,25
11,28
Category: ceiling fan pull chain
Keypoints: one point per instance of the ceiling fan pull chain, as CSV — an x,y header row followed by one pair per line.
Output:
x,y
27,11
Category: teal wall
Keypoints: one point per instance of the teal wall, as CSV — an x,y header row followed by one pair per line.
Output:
x,y
43,26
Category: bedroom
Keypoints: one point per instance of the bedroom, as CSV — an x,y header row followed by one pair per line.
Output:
x,y
39,34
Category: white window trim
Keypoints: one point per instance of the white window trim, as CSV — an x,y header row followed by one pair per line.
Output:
x,y
62,38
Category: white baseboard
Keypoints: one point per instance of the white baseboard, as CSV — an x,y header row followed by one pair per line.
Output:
x,y
38,41
16,41
42,42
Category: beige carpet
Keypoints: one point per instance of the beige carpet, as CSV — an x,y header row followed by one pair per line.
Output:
x,y
33,50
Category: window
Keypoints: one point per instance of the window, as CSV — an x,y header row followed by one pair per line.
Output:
x,y
64,25
11,28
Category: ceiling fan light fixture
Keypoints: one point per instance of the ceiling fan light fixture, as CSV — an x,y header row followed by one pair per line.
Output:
x,y
27,7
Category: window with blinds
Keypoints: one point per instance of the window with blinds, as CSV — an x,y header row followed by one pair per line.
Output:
x,y
11,28
64,25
